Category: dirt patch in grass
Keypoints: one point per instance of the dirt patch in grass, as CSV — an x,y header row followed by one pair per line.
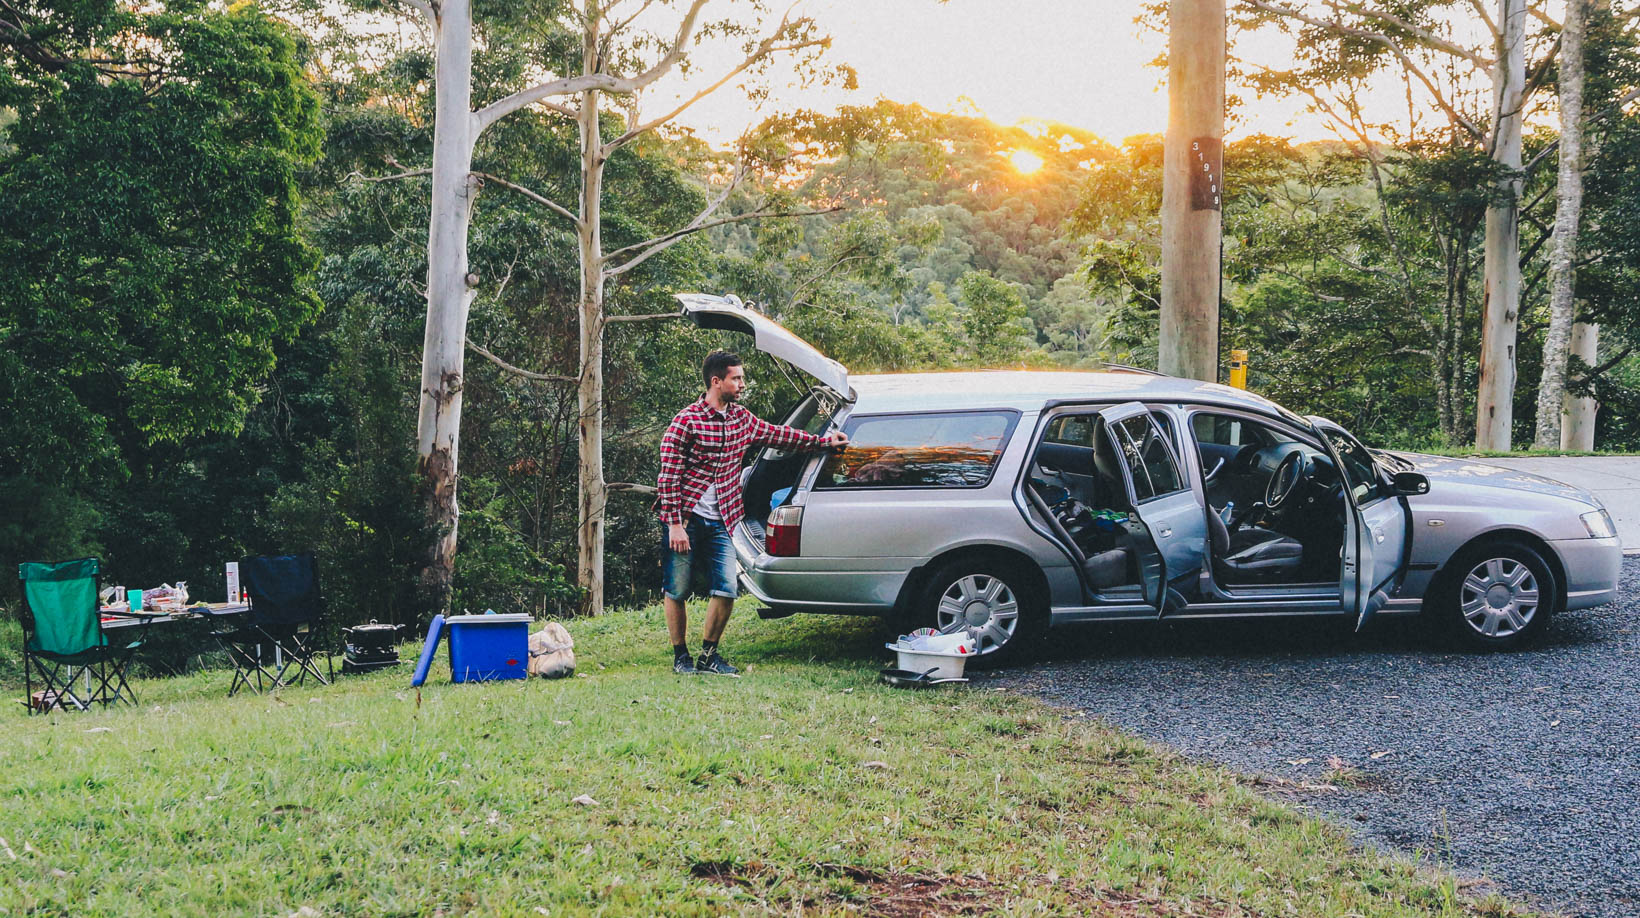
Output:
x,y
901,895
922,895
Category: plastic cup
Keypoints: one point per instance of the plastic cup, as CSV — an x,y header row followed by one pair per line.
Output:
x,y
134,599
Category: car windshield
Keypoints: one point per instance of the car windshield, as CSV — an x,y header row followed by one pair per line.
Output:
x,y
1395,459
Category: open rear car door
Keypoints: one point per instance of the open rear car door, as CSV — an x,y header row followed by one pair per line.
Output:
x,y
1150,561
729,314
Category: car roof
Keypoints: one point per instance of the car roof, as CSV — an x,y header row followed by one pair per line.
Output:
x,y
1030,390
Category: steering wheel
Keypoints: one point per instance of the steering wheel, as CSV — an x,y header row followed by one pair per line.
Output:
x,y
1292,469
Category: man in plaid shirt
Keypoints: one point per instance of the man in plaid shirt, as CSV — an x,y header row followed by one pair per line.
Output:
x,y
700,500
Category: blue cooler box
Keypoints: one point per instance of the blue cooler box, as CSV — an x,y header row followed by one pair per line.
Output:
x,y
485,647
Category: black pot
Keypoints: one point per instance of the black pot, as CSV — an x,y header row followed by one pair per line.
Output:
x,y
374,636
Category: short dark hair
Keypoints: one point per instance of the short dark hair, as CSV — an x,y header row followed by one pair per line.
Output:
x,y
717,365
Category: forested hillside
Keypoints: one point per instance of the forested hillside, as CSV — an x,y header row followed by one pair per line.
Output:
x,y
213,279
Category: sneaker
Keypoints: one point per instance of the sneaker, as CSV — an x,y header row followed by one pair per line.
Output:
x,y
714,664
684,666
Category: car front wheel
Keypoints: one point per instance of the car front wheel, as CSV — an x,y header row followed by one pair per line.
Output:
x,y
1496,596
992,601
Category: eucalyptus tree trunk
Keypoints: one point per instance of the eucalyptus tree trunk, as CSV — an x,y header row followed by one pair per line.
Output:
x,y
593,488
449,294
1578,412
1568,210
1494,402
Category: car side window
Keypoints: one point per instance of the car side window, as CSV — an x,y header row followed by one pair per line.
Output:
x,y
1149,459
932,450
1360,472
1071,429
1225,430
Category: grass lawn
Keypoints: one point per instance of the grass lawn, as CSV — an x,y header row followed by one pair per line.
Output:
x,y
803,788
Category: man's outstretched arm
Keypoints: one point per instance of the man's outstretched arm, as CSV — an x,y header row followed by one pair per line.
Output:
x,y
782,437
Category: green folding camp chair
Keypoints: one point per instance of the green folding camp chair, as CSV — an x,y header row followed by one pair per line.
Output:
x,y
64,640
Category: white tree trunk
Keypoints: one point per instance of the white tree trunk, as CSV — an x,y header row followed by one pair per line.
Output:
x,y
594,491
1494,403
1192,190
1568,210
438,423
1578,414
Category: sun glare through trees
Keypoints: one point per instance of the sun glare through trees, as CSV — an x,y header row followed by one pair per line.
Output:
x,y
1025,161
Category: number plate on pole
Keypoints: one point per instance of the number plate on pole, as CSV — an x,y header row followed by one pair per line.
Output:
x,y
1207,165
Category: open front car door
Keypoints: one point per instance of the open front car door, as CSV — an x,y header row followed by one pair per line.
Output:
x,y
1376,531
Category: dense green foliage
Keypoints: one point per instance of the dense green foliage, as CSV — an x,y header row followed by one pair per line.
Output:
x,y
151,268
213,249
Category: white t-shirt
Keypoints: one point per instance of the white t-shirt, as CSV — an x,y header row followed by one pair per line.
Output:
x,y
707,508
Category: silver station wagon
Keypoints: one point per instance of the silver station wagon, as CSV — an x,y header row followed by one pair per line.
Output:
x,y
1006,502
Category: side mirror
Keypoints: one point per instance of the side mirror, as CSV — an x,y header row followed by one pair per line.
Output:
x,y
1409,483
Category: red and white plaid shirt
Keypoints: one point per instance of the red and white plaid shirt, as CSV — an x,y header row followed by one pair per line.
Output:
x,y
703,447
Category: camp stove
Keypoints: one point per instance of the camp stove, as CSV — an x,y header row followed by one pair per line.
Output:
x,y
371,647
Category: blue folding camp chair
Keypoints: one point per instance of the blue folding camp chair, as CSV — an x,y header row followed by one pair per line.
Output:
x,y
281,631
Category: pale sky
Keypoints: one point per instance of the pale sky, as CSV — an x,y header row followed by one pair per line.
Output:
x,y
1083,62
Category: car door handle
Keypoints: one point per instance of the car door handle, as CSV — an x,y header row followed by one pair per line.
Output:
x,y
1165,533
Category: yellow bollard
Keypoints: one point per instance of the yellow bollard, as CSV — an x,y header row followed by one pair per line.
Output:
x,y
1238,369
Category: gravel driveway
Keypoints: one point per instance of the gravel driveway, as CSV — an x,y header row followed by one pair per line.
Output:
x,y
1521,768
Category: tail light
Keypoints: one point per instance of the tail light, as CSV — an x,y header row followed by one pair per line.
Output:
x,y
785,532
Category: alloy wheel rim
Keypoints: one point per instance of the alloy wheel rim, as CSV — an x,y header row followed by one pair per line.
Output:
x,y
1499,597
983,604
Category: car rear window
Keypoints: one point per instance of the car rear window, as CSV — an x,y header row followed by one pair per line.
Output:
x,y
931,450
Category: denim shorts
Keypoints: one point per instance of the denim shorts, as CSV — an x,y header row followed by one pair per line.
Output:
x,y
711,556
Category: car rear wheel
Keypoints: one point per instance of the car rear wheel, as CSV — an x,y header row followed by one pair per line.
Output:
x,y
993,601
1495,596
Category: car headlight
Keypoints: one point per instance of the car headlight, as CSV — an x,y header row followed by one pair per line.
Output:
x,y
1599,523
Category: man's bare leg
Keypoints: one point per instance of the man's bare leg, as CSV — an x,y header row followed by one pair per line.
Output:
x,y
677,620
717,618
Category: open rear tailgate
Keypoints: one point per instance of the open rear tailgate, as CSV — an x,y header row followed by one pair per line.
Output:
x,y
728,314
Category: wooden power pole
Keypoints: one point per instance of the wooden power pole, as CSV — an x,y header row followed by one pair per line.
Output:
x,y
1192,189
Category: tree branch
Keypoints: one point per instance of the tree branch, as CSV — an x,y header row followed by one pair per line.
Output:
x,y
741,171
556,208
1389,44
425,8
617,28
649,317
410,173
1596,371
518,371
627,486
1427,37
662,243
598,81
567,86
764,49
1614,109
1486,18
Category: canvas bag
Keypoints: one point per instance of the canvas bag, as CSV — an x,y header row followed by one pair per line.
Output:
x,y
552,653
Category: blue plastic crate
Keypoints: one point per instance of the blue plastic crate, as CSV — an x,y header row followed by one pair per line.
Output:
x,y
487,647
